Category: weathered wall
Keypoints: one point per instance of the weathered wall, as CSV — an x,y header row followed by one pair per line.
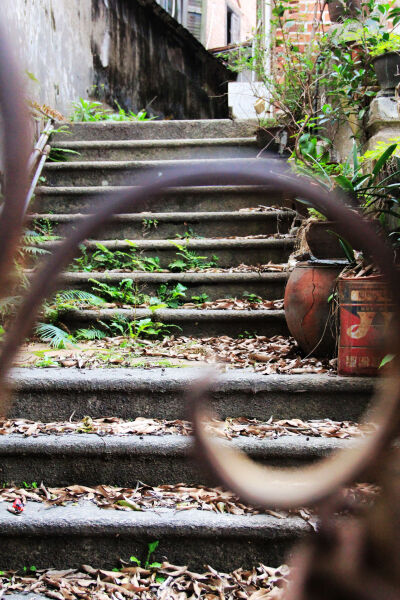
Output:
x,y
216,22
142,56
52,40
130,49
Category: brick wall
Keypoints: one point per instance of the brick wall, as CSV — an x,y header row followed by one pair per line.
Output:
x,y
304,12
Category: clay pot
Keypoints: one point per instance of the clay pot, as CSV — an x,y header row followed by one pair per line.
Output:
x,y
307,310
322,243
387,69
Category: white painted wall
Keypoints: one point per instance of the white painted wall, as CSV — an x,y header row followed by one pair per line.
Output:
x,y
215,29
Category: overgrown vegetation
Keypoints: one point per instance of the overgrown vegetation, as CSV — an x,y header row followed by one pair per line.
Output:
x,y
105,259
91,111
320,79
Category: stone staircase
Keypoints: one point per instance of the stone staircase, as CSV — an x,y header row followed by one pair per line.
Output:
x,y
111,156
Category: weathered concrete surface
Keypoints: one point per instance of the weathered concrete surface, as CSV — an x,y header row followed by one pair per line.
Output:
x,y
111,173
172,225
70,536
193,322
215,285
230,252
53,42
158,130
61,200
383,115
130,52
51,394
162,149
88,459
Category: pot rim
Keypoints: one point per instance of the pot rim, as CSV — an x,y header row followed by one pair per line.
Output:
x,y
372,278
375,58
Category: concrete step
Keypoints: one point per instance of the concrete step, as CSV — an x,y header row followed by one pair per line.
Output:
x,y
172,225
188,322
122,460
215,285
61,200
229,252
111,173
157,130
54,394
69,536
160,149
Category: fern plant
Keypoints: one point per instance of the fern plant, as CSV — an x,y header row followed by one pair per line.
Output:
x,y
53,335
190,260
78,296
90,334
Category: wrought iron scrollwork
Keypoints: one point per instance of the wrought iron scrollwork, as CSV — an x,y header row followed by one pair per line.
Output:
x,y
350,550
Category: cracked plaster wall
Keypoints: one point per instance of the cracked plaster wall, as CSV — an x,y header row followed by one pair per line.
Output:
x,y
129,49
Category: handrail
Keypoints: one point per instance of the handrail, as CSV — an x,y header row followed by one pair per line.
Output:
x,y
42,150
44,155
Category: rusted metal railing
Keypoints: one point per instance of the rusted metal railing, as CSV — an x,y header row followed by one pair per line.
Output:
x,y
38,158
358,561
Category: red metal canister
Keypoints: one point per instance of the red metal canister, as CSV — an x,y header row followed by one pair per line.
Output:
x,y
366,313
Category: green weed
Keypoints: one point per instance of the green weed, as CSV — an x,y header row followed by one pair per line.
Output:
x,y
45,363
121,326
190,260
87,111
173,297
149,224
200,299
253,298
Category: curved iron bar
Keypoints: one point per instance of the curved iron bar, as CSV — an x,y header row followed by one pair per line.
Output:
x,y
256,484
16,150
261,485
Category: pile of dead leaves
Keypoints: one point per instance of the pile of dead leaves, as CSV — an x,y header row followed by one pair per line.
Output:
x,y
243,268
236,304
220,304
274,355
179,497
229,429
261,208
277,354
269,236
141,498
167,582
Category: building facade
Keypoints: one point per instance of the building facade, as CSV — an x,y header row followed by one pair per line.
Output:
x,y
216,23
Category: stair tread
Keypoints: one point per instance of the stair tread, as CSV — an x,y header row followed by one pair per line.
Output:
x,y
127,164
78,444
171,216
156,143
42,190
192,243
176,379
185,277
180,314
88,519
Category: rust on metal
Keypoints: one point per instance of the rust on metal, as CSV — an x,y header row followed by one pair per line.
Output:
x,y
366,313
